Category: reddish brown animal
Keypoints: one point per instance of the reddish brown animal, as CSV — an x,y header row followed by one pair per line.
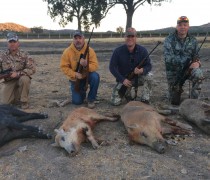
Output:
x,y
146,126
77,128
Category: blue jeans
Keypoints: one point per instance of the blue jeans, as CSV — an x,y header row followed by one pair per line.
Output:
x,y
79,97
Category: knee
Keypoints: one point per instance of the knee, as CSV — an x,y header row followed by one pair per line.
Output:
x,y
94,76
24,80
77,101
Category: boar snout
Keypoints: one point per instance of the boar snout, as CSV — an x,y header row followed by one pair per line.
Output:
x,y
71,149
160,146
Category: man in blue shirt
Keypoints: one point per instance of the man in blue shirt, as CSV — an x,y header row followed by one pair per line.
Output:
x,y
124,60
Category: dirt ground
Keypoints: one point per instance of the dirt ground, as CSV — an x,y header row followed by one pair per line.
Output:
x,y
29,159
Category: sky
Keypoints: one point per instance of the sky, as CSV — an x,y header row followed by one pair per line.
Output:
x,y
33,13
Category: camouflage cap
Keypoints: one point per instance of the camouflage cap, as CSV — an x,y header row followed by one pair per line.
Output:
x,y
131,32
12,37
182,19
78,33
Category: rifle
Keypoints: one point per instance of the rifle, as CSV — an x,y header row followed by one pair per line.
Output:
x,y
131,75
185,73
80,67
5,73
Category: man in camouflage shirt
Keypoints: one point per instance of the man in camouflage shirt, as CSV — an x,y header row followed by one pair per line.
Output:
x,y
17,84
179,48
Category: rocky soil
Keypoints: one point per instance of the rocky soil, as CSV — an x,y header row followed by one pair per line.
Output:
x,y
36,159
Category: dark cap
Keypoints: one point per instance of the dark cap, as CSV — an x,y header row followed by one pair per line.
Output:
x,y
12,37
78,33
182,19
130,32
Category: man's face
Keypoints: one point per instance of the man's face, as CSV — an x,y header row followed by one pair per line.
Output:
x,y
79,42
13,45
182,28
130,40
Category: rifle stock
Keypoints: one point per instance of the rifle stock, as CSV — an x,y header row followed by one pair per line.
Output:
x,y
131,75
180,79
186,69
80,68
5,73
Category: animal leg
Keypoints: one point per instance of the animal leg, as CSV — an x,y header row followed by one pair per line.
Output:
x,y
22,116
31,116
89,134
18,131
110,117
30,131
176,127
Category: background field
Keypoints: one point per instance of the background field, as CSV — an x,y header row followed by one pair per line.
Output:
x,y
189,159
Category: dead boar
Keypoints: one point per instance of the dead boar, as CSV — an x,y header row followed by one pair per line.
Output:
x,y
146,126
77,128
11,126
196,112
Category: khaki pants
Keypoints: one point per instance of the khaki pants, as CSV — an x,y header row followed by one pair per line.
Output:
x,y
16,90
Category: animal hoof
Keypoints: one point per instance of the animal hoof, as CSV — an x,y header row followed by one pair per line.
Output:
x,y
95,146
49,136
45,115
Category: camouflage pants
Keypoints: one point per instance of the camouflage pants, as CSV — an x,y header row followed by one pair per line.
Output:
x,y
195,77
145,81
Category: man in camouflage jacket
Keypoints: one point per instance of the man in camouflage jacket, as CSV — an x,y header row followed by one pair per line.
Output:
x,y
179,48
17,83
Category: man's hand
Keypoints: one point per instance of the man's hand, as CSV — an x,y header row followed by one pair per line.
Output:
x,y
195,64
78,75
15,74
138,71
127,83
83,62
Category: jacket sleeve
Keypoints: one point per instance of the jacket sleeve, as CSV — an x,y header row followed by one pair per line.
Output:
x,y
113,67
93,61
30,66
66,66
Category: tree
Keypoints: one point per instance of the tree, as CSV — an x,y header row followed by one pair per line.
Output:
x,y
87,12
120,29
37,29
131,5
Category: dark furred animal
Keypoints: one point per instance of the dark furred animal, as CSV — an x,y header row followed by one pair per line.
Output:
x,y
146,126
196,112
77,128
11,126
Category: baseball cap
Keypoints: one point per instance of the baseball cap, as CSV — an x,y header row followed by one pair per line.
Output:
x,y
130,32
182,19
78,33
12,36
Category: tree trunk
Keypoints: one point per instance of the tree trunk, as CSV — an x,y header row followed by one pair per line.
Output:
x,y
79,24
129,13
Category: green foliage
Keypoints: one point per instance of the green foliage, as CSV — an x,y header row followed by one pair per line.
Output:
x,y
120,29
37,29
87,12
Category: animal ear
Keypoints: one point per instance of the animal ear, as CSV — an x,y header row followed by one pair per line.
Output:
x,y
56,130
85,130
131,126
55,145
59,131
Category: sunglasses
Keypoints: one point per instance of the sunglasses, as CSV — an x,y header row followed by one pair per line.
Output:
x,y
12,41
